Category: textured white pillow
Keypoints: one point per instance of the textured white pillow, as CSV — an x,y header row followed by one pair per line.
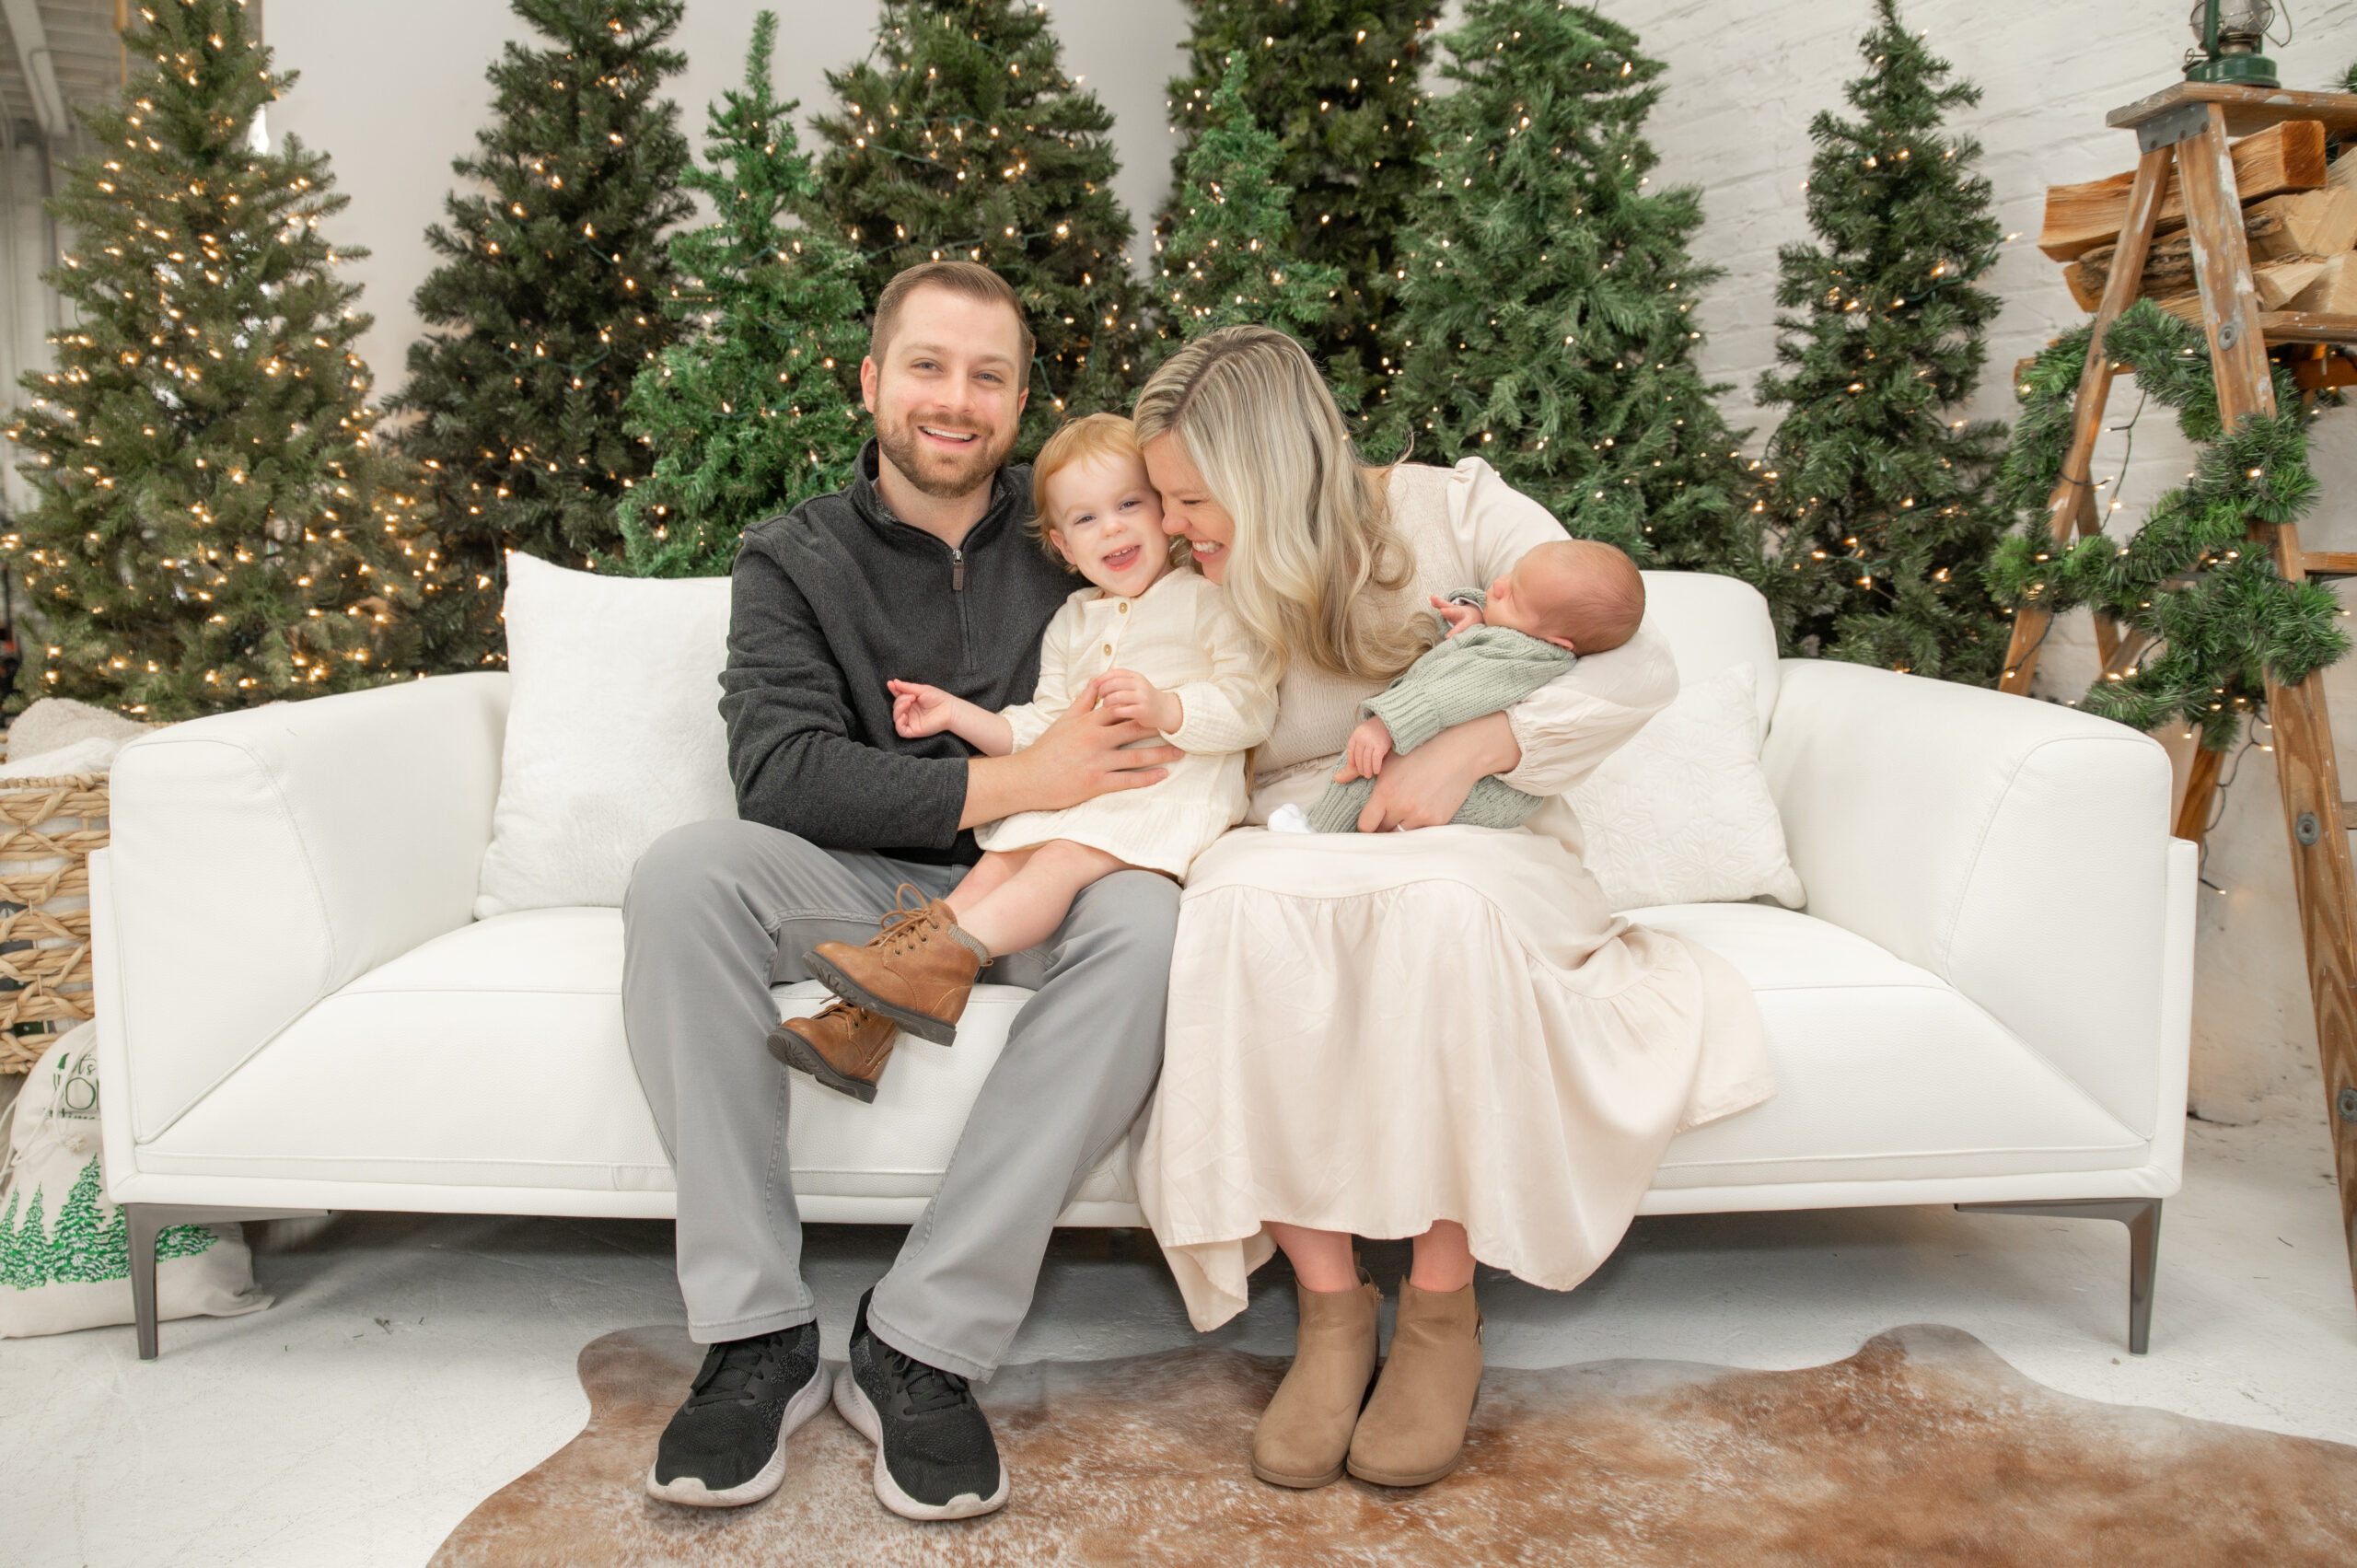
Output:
x,y
1681,814
613,730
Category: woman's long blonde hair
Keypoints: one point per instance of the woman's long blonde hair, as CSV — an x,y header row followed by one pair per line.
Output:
x,y
1316,564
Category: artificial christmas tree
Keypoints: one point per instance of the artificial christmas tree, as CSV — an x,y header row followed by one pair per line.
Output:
x,y
548,304
215,525
961,139
1876,494
1225,262
749,416
1547,298
1337,82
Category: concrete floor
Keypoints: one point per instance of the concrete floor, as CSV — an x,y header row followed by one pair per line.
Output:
x,y
414,1363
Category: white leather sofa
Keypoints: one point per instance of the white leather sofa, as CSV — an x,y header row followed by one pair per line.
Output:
x,y
1986,1002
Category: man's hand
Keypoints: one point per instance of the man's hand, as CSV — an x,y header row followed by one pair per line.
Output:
x,y
1425,787
1128,695
1458,616
918,710
1077,758
1363,757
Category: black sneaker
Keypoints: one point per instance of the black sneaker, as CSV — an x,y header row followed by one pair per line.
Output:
x,y
726,1446
935,1458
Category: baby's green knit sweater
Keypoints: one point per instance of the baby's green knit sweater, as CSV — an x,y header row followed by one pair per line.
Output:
x,y
1480,671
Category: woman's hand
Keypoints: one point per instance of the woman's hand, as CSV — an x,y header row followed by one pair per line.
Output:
x,y
1363,757
1425,787
1128,695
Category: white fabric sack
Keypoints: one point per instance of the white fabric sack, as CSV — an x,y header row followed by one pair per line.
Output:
x,y
52,724
1681,814
65,1249
92,755
614,731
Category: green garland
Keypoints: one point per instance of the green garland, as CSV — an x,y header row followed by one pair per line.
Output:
x,y
2221,617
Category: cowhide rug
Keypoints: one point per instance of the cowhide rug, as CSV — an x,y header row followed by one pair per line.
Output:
x,y
1922,1448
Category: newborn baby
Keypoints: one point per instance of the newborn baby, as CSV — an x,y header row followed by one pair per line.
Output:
x,y
1560,600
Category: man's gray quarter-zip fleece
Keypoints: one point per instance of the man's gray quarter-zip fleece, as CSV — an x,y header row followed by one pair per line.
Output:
x,y
831,601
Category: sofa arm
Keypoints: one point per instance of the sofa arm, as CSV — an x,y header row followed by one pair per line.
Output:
x,y
2018,849
260,860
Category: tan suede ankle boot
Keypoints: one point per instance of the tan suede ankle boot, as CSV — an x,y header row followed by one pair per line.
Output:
x,y
1306,1432
1412,1432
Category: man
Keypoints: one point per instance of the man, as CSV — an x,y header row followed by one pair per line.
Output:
x,y
920,570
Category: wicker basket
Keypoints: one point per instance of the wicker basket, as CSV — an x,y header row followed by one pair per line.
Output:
x,y
47,827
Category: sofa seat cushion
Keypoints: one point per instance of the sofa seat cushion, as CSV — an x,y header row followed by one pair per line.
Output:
x,y
1884,1070
493,1056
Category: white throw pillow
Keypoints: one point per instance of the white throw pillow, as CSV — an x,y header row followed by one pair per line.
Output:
x,y
613,730
1681,814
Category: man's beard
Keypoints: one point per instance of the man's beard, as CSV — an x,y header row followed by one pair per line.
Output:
x,y
940,474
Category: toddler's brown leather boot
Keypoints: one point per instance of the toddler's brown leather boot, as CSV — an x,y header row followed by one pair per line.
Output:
x,y
917,972
843,1046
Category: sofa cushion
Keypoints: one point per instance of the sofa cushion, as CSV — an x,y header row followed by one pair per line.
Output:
x,y
614,731
1681,814
493,1056
1884,1070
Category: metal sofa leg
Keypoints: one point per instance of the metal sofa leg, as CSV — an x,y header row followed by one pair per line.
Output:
x,y
148,1221
2143,1218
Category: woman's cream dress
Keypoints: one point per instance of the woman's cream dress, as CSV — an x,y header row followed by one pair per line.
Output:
x,y
1371,1032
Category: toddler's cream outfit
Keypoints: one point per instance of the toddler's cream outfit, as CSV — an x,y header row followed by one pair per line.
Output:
x,y
1181,635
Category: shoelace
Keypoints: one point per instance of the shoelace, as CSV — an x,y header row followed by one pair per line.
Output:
x,y
858,1014
906,924
729,1372
929,1389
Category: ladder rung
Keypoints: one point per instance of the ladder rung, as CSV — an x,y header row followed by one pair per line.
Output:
x,y
2329,563
2348,815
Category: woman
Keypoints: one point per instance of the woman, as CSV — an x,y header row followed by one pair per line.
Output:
x,y
1443,1034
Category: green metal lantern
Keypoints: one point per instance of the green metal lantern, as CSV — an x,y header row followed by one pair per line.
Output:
x,y
2230,32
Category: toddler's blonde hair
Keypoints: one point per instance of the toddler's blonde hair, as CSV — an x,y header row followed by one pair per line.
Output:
x,y
1090,436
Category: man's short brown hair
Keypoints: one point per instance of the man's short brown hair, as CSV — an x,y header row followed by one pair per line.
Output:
x,y
969,278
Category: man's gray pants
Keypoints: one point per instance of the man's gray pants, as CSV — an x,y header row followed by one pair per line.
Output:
x,y
716,913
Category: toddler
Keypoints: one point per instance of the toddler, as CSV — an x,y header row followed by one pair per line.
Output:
x,y
1153,642
1560,600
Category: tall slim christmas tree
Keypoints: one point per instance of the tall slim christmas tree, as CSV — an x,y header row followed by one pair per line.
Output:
x,y
215,525
749,416
1878,491
1547,296
1225,261
961,137
549,301
1337,83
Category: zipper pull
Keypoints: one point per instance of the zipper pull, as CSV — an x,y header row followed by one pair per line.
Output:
x,y
956,570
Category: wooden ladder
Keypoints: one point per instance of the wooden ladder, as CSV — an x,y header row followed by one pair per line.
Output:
x,y
2188,127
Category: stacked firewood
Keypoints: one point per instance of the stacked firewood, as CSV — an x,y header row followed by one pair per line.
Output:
x,y
2299,218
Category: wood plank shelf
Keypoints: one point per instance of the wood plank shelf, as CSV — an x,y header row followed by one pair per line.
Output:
x,y
2306,327
2247,108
